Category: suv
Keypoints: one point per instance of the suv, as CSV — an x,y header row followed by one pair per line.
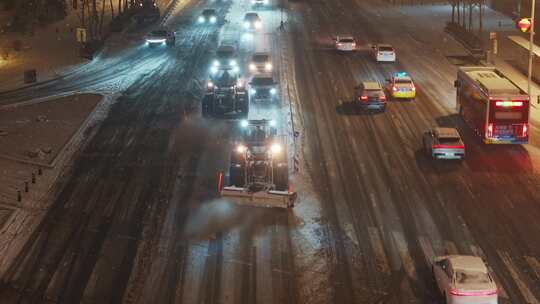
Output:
x,y
370,95
160,36
208,15
384,53
263,88
225,59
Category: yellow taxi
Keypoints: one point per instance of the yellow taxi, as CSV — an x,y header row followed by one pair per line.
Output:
x,y
401,86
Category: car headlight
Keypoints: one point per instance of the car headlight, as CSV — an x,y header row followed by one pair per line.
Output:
x,y
273,91
201,19
253,1
246,24
252,91
258,24
252,67
244,123
268,66
233,62
213,19
215,63
236,69
272,123
275,148
239,83
241,148
210,85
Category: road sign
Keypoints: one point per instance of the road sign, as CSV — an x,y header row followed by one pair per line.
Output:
x,y
81,34
524,25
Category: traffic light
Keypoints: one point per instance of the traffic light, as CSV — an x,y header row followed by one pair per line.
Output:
x,y
524,25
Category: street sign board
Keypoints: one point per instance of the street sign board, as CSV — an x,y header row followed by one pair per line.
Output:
x,y
81,34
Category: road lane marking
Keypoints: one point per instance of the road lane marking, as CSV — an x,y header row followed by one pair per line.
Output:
x,y
377,245
479,252
525,291
450,248
427,249
534,264
406,259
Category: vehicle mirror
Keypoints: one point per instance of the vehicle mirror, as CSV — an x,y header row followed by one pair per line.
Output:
x,y
456,83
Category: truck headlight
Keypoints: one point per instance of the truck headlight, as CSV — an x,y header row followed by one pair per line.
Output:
x,y
268,67
213,19
233,62
275,148
272,123
244,123
210,85
201,19
214,69
236,69
252,91
252,67
273,91
215,63
246,24
258,24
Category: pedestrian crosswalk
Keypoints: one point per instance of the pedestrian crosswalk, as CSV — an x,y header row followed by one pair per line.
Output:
x,y
507,265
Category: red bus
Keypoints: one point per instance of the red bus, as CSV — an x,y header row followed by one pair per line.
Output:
x,y
494,106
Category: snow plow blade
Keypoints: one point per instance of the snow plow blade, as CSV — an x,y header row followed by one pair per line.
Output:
x,y
269,199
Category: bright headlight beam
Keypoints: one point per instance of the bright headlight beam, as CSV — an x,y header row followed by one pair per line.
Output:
x,y
275,148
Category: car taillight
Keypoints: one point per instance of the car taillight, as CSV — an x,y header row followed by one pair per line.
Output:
x,y
363,97
353,44
382,97
456,292
394,88
490,130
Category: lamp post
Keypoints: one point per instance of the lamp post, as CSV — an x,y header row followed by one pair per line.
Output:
x,y
531,53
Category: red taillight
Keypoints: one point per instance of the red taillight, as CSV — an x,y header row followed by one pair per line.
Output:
x,y
490,130
363,97
456,292
448,147
382,97
394,89
353,44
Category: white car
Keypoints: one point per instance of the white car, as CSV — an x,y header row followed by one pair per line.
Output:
x,y
345,43
443,143
464,279
252,21
384,53
260,63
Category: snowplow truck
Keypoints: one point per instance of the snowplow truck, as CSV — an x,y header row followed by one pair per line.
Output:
x,y
226,96
258,172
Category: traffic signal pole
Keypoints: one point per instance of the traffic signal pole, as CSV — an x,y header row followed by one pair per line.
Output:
x,y
531,53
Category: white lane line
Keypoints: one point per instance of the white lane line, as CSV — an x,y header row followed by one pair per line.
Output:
x,y
525,291
427,249
406,259
479,252
534,264
380,256
450,248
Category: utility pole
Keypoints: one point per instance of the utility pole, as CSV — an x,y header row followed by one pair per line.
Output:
x,y
531,53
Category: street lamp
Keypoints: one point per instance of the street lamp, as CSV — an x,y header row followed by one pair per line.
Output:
x,y
531,54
